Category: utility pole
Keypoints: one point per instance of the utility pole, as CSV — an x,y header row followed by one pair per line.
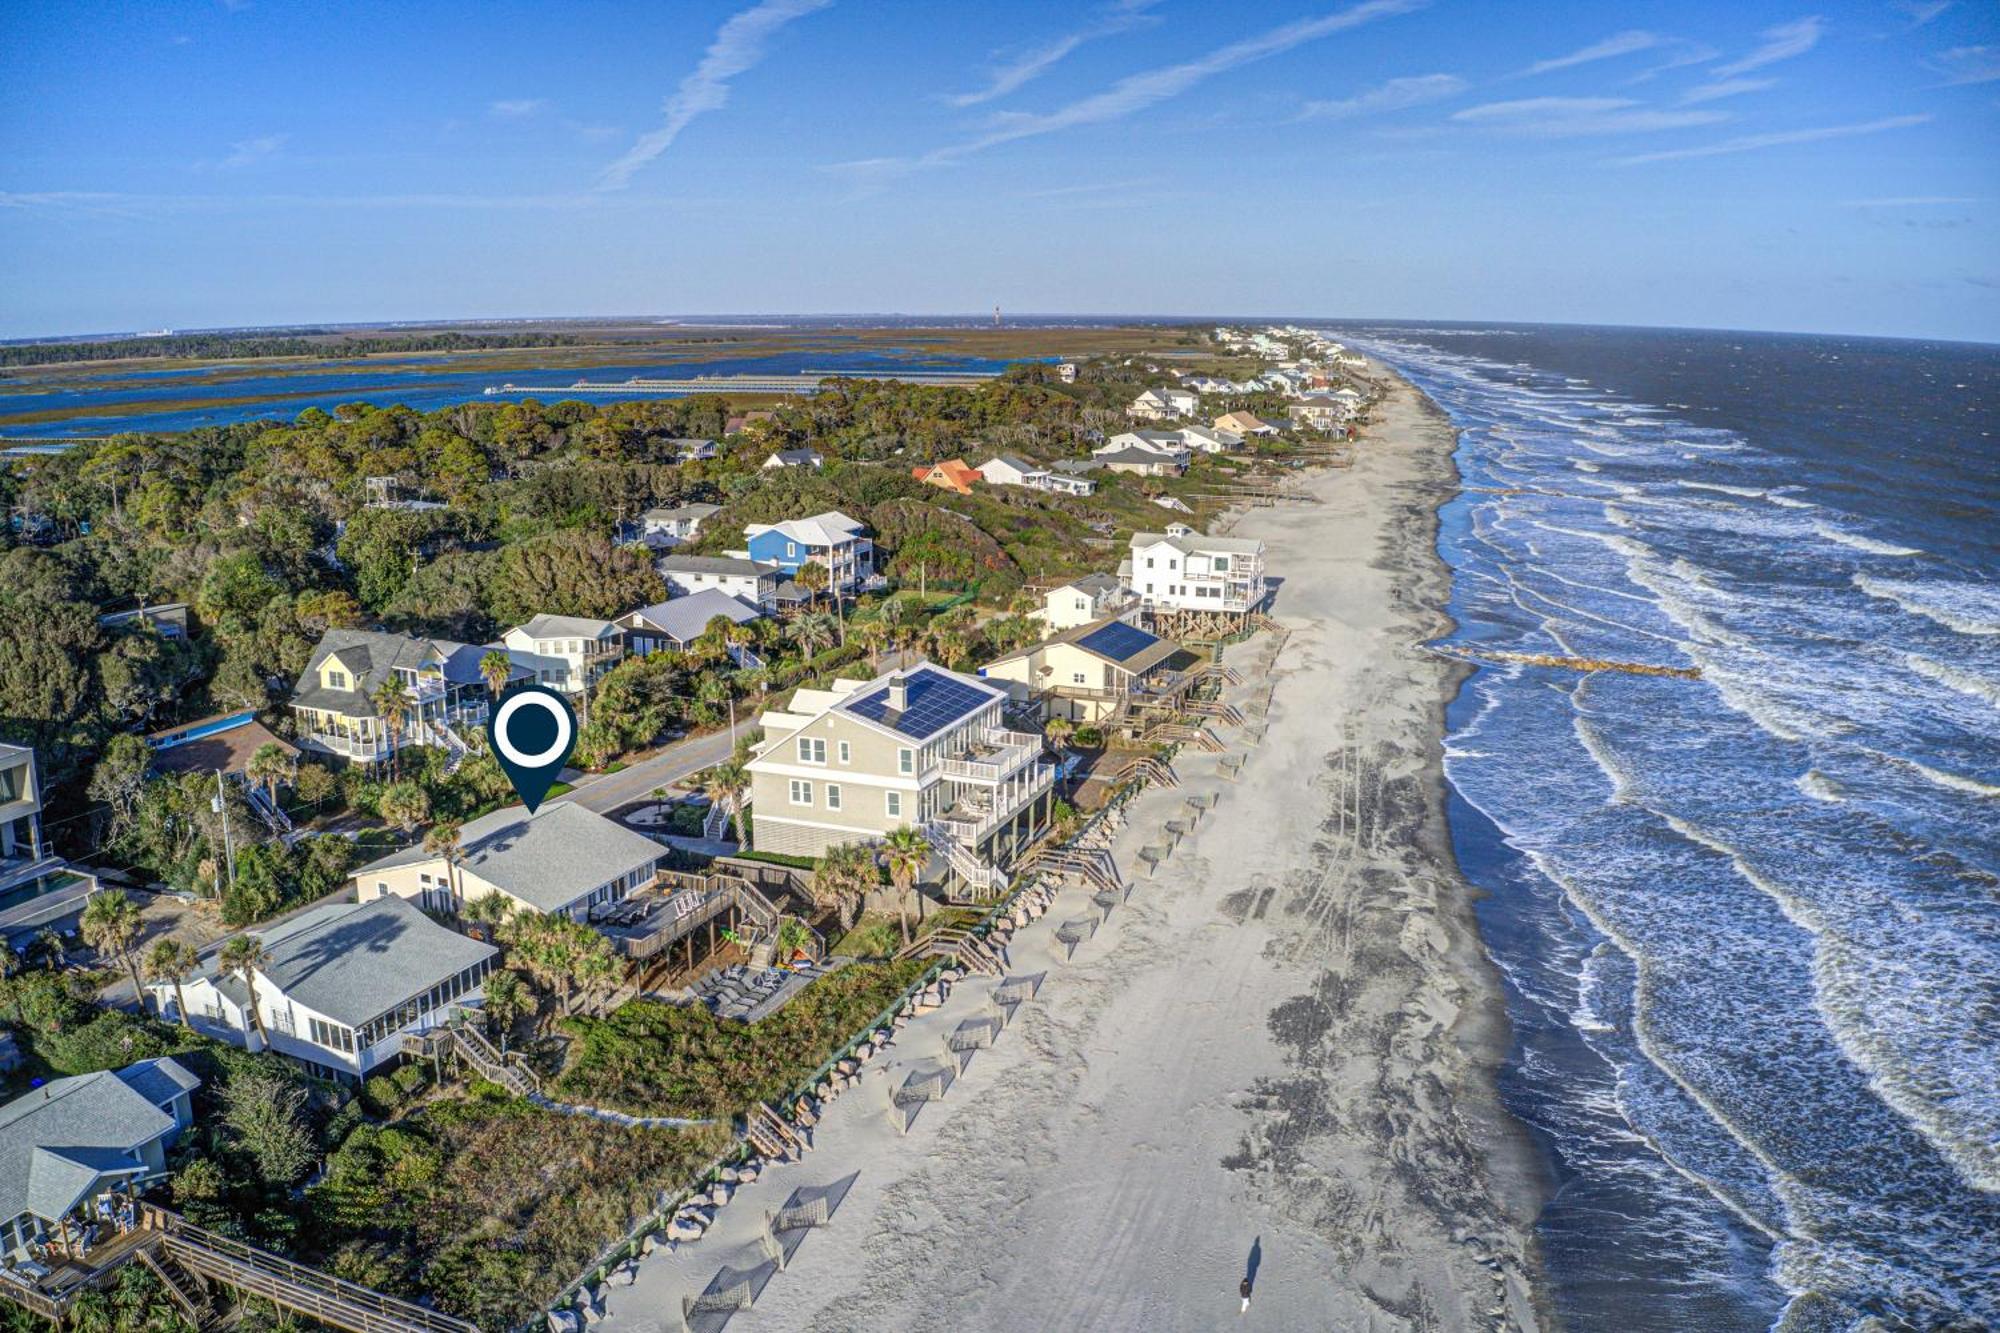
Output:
x,y
228,844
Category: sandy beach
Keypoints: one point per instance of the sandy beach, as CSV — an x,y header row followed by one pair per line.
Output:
x,y
1276,1056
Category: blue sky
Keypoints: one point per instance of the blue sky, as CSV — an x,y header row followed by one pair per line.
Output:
x,y
1794,165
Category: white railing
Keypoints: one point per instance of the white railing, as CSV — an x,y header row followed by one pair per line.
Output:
x,y
1015,751
1007,800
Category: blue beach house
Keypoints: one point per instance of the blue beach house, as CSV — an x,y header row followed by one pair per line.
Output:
x,y
831,539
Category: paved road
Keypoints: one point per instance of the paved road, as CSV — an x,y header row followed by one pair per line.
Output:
x,y
607,791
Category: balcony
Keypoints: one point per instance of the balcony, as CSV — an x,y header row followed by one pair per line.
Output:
x,y
990,756
365,749
978,812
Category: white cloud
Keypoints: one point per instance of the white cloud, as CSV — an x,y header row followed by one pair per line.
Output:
x,y
1137,92
1391,96
1968,64
739,44
1751,142
1923,11
1007,78
247,152
517,108
1780,43
1578,117
1721,88
1618,44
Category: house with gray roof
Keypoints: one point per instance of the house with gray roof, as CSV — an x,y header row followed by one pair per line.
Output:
x,y
334,704
753,581
663,528
340,986
672,625
566,653
563,858
66,1144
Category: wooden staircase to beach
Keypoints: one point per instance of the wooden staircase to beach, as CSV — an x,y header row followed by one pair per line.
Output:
x,y
958,944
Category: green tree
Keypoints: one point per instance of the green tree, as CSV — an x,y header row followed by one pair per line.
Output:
x,y
265,1114
506,1001
906,852
119,780
171,960
571,573
495,668
393,704
315,784
442,842
242,957
270,766
111,925
405,805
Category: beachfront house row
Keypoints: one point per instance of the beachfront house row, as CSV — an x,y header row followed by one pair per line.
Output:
x,y
951,475
671,626
333,703
565,653
1090,672
1210,439
832,540
563,859
794,458
67,1144
663,527
923,747
1320,412
1186,571
745,579
1164,404
339,987
1245,424
1081,601
1165,443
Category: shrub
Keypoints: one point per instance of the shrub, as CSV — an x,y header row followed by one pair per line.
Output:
x,y
381,1096
410,1078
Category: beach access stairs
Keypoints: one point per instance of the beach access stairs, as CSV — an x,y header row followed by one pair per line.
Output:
x,y
958,944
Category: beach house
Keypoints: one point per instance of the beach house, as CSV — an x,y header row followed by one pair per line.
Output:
x,y
338,987
1186,571
672,625
1165,443
951,475
923,747
832,540
1143,462
1245,424
1210,439
1009,470
563,858
1092,672
794,458
70,1142
742,578
334,705
663,528
566,653
1080,601
1164,404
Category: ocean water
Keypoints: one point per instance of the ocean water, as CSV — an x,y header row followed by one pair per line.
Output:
x,y
1750,923
186,401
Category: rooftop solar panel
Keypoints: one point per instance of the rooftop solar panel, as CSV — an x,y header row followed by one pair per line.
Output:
x,y
1118,641
936,702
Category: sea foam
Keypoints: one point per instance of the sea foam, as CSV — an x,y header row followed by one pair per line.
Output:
x,y
1859,543
1968,608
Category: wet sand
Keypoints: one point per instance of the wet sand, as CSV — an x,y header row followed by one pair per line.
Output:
x,y
1279,1052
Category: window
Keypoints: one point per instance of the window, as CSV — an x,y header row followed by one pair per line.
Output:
x,y
802,792
1149,562
336,680
846,754
1076,678
892,804
1221,563
1172,563
906,760
791,548
812,750
833,796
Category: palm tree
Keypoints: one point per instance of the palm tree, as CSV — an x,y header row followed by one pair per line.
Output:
x,y
874,637
906,852
170,960
495,668
394,706
242,957
405,805
730,781
1058,731
505,1002
270,767
442,841
489,911
842,878
111,924
812,632
813,578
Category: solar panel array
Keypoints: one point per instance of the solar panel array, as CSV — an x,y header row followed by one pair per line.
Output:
x,y
1118,641
936,701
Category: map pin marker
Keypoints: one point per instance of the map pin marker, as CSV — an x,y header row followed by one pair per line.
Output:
x,y
532,732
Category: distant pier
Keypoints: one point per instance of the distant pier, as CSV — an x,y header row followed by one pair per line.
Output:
x,y
804,383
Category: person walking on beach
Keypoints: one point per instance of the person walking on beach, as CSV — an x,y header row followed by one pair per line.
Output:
x,y
1244,1291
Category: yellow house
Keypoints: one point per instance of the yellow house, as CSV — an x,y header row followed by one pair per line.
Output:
x,y
1090,672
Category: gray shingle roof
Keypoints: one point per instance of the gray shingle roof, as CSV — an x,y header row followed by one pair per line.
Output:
x,y
684,618
548,859
57,1141
354,961
711,564
371,656
565,627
